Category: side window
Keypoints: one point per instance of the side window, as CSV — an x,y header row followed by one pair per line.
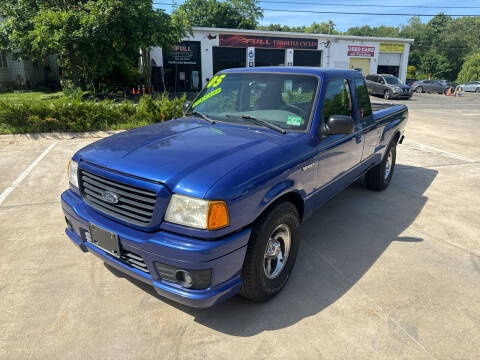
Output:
x,y
370,78
338,100
363,100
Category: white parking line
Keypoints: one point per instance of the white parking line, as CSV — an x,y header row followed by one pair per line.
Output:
x,y
470,114
25,173
432,149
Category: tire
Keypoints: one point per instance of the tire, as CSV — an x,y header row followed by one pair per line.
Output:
x,y
378,178
387,95
273,225
419,89
477,90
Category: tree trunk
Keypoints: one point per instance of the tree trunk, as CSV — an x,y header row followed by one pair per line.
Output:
x,y
147,67
73,64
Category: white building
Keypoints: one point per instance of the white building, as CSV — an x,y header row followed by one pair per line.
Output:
x,y
20,74
192,63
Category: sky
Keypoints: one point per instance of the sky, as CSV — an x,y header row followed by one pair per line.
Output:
x,y
345,21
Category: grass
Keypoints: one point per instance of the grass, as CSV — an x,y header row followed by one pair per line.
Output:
x,y
30,96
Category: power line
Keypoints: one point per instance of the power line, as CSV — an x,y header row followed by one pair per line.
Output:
x,y
367,13
371,5
348,12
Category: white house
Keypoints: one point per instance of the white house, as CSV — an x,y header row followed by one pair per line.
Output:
x,y
20,74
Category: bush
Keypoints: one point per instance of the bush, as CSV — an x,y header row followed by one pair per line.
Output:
x,y
72,113
470,69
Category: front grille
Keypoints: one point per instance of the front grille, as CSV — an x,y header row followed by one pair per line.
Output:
x,y
135,261
134,205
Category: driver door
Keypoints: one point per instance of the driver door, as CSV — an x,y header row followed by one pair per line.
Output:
x,y
338,154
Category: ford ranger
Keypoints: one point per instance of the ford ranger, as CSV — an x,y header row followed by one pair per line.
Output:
x,y
209,205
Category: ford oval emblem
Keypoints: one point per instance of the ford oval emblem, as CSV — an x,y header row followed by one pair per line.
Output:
x,y
110,197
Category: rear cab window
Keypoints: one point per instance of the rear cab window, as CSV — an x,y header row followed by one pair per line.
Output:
x,y
364,105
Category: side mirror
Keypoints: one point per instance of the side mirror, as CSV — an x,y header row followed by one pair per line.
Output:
x,y
186,105
339,124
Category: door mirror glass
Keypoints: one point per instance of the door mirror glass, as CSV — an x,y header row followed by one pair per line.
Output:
x,y
340,124
381,81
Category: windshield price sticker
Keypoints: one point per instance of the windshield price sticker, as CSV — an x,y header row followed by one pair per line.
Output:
x,y
209,95
215,81
294,120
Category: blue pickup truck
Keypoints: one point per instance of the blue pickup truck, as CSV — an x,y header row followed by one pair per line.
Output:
x,y
210,205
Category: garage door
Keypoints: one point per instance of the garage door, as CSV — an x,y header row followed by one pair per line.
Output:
x,y
389,59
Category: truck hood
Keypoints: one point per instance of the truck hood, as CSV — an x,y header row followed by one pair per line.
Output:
x,y
187,156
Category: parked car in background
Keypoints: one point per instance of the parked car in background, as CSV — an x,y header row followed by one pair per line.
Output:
x,y
471,86
409,82
432,86
388,86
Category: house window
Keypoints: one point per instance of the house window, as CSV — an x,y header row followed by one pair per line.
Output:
x,y
3,59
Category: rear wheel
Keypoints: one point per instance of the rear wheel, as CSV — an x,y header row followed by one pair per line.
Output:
x,y
271,253
477,90
378,178
419,89
387,95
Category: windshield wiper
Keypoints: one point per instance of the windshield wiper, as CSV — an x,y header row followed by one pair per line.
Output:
x,y
203,116
258,121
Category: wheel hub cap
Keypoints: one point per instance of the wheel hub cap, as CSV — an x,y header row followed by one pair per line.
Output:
x,y
276,252
388,164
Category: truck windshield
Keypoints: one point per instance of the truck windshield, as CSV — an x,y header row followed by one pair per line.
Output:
x,y
392,80
284,100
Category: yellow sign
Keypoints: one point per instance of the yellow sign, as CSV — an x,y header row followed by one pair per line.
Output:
x,y
392,47
209,95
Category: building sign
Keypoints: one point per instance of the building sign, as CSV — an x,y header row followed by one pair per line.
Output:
x,y
392,47
358,50
266,42
185,53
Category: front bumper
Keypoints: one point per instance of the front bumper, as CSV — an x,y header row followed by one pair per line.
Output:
x,y
224,257
402,95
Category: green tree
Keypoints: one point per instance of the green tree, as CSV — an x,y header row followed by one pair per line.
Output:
x,y
236,14
411,72
314,28
97,41
470,69
382,31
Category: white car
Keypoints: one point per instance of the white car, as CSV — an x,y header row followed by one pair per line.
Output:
x,y
471,86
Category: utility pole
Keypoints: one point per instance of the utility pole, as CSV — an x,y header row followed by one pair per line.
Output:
x,y
330,27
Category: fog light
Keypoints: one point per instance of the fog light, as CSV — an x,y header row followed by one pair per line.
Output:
x,y
188,278
184,278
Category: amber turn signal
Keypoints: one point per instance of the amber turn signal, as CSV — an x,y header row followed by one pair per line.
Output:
x,y
217,215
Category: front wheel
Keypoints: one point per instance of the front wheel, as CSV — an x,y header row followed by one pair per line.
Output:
x,y
387,95
419,89
271,253
378,178
477,90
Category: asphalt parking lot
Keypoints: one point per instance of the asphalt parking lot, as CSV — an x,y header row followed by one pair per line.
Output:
x,y
390,275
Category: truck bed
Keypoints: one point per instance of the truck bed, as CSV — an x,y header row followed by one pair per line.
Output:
x,y
384,110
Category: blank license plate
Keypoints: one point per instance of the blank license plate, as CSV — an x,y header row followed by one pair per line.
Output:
x,y
105,240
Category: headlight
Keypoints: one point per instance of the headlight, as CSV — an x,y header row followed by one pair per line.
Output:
x,y
397,89
197,213
72,172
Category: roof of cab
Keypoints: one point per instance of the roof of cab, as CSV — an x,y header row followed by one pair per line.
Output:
x,y
321,72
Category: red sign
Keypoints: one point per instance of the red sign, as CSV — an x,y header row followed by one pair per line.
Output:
x,y
266,42
356,50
